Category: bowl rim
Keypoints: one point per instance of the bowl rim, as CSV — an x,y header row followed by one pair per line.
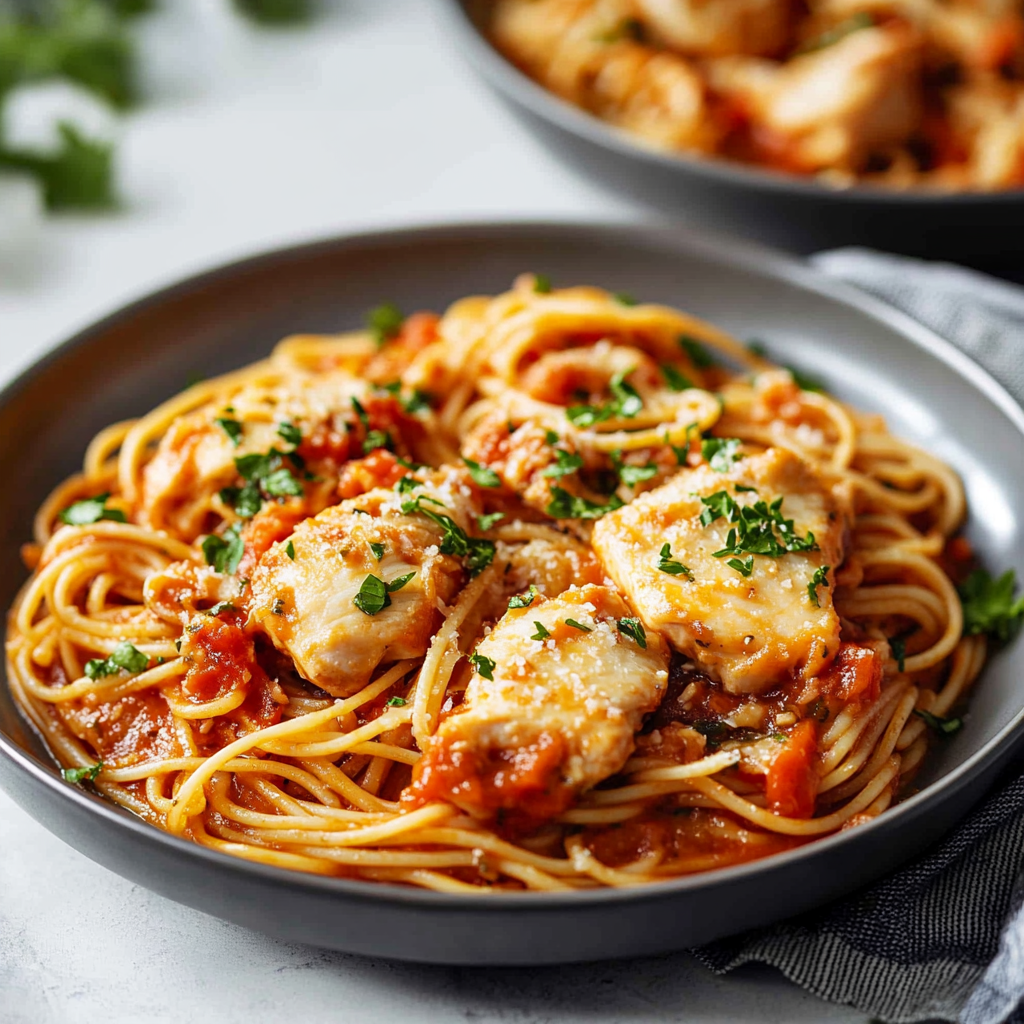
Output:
x,y
731,252
517,86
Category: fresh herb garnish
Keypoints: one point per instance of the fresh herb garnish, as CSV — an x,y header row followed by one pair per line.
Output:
x,y
124,656
222,606
675,379
634,629
989,606
667,564
265,476
77,775
541,284
375,595
755,527
944,726
564,464
477,551
408,484
487,521
541,633
376,439
485,666
523,600
377,549
721,452
224,552
91,510
484,476
289,433
564,505
624,298
384,322
899,651
744,568
395,702
626,403
819,579
632,475
578,625
697,351
289,550
230,427
416,401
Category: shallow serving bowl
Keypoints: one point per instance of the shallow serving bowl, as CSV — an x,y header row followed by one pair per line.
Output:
x,y
798,213
868,355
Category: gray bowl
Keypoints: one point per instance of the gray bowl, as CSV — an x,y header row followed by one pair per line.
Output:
x,y
797,213
866,352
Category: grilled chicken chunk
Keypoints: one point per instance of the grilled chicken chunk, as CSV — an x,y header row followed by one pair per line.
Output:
x,y
305,597
749,621
559,714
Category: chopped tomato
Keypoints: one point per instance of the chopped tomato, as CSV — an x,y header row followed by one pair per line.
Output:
x,y
220,658
417,332
854,675
792,783
379,469
271,524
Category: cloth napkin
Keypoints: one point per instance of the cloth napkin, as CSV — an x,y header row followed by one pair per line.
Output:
x,y
943,938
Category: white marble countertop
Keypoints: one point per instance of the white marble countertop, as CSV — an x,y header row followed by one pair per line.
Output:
x,y
251,140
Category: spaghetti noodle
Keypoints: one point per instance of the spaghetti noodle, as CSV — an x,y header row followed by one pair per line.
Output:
x,y
552,592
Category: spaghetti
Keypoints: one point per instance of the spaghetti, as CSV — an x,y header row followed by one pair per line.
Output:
x,y
552,592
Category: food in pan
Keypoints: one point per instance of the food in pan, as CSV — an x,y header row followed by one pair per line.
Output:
x,y
554,591
899,93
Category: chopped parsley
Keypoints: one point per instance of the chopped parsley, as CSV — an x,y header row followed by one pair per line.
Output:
x,y
395,702
377,549
820,579
551,437
899,651
721,452
289,550
944,726
231,427
755,528
77,775
416,401
523,600
407,484
265,476
541,633
289,433
667,564
485,666
744,568
484,476
626,403
478,552
634,629
564,464
384,322
488,520
280,483
224,552
632,475
124,656
564,505
376,439
541,284
222,606
624,299
375,595
697,351
91,510
804,381
989,606
675,379
578,625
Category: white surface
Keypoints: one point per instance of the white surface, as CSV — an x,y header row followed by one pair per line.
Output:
x,y
252,140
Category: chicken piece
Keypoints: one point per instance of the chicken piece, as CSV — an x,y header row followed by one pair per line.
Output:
x,y
832,107
304,591
714,28
558,716
746,620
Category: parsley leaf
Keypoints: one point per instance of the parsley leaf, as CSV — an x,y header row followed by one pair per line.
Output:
x,y
232,428
77,775
564,505
485,666
626,403
124,656
675,379
624,299
222,606
755,527
634,629
989,606
478,552
564,464
721,452
697,351
289,550
944,726
899,651
819,579
523,600
541,634
375,595
289,433
485,522
376,439
578,625
280,483
484,476
805,381
91,510
395,702
246,501
377,549
407,484
224,552
384,322
667,564
541,284
743,568
416,401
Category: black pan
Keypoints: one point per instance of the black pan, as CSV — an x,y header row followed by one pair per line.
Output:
x,y
984,229
866,352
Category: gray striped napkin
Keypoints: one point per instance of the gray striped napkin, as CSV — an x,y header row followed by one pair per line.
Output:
x,y
943,938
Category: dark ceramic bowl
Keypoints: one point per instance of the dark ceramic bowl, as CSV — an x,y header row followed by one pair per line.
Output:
x,y
980,228
867,353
